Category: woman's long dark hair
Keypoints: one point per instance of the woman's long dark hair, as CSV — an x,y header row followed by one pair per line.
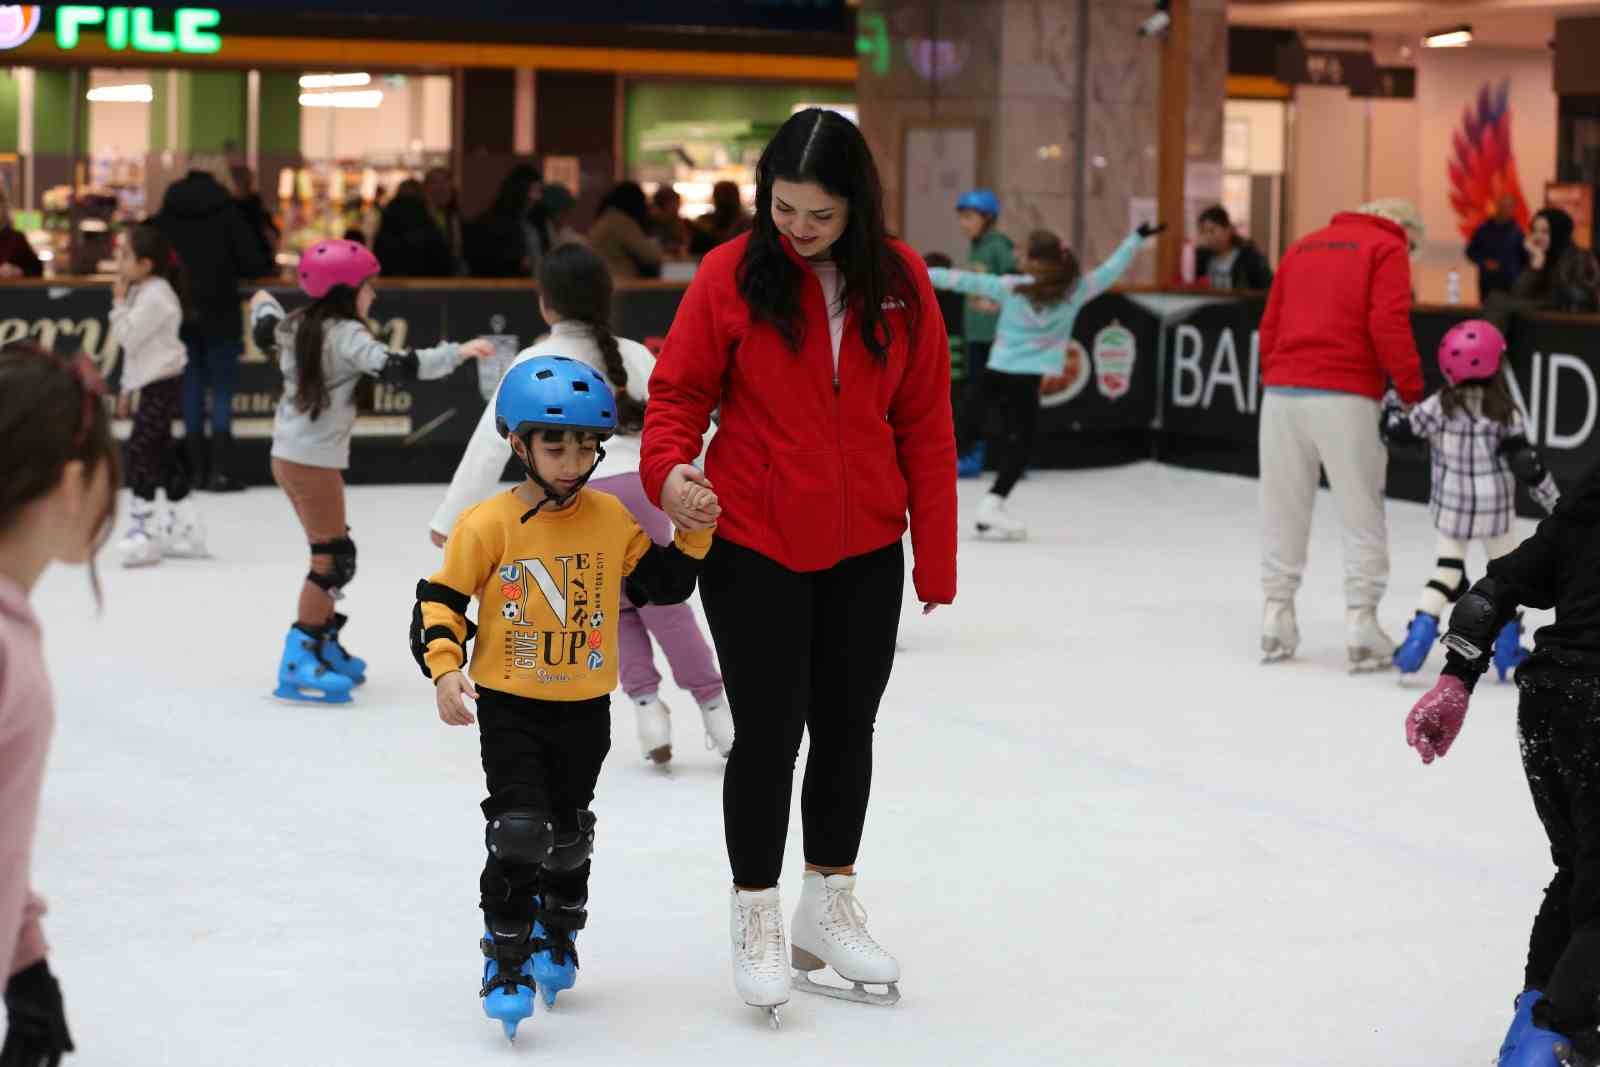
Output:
x,y
577,286
1055,271
1561,230
512,199
826,148
310,385
1496,399
146,241
628,198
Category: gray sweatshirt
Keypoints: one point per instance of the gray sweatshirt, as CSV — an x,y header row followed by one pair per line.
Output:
x,y
349,353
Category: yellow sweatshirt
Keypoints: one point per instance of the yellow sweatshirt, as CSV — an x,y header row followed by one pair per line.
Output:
x,y
548,593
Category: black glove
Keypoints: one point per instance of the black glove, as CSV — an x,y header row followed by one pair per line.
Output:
x,y
38,1034
1150,229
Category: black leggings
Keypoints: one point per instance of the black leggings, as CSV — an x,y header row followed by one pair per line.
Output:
x,y
1559,720
154,459
544,755
1013,401
800,651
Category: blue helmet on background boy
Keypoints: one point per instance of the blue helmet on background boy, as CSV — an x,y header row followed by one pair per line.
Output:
x,y
983,201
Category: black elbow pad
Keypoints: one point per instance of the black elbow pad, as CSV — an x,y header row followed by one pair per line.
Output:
x,y
1526,465
1475,620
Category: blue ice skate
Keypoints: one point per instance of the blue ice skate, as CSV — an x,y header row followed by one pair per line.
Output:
x,y
302,674
1538,1048
555,965
1413,651
335,656
1521,1023
508,982
1508,650
971,464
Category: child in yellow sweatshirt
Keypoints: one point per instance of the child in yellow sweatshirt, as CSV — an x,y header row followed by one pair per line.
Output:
x,y
547,561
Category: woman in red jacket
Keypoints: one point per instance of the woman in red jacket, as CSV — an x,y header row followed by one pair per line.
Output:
x,y
819,338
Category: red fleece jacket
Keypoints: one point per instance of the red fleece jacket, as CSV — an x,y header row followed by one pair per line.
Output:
x,y
811,470
1339,316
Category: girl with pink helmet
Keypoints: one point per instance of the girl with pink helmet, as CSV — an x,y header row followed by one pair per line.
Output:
x,y
325,350
1478,442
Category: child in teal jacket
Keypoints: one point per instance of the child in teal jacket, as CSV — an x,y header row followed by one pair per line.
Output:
x,y
1037,313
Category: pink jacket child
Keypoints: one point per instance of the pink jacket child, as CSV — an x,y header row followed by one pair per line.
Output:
x,y
57,493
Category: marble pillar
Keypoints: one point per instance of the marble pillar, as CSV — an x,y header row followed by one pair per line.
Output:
x,y
1016,71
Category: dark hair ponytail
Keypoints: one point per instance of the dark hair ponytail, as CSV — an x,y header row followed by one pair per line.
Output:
x,y
1055,271
1495,397
310,384
147,241
576,285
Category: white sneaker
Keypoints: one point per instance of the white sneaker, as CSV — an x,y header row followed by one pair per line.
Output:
x,y
184,535
654,721
1279,634
994,521
141,545
1369,647
760,967
719,724
830,930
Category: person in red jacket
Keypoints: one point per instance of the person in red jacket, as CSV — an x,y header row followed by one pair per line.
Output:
x,y
820,339
1338,324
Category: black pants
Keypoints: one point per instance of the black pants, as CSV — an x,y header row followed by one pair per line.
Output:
x,y
1011,401
1559,720
971,409
154,459
544,755
800,651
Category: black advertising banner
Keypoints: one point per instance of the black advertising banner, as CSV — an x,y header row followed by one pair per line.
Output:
x,y
1106,393
1213,374
1554,360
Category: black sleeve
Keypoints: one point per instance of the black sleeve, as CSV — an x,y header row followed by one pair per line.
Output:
x,y
265,333
1257,274
28,261
249,256
663,575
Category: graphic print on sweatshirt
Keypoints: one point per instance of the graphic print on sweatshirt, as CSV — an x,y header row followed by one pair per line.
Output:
x,y
555,622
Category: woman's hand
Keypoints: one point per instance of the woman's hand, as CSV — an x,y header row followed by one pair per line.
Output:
x,y
685,488
929,609
437,538
478,348
447,693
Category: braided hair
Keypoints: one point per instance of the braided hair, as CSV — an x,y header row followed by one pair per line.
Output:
x,y
576,284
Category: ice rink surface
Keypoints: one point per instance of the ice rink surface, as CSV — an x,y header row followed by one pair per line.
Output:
x,y
1101,832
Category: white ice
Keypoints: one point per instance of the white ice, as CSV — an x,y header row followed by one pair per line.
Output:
x,y
1101,832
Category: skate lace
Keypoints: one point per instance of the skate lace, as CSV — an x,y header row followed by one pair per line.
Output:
x,y
847,921
763,937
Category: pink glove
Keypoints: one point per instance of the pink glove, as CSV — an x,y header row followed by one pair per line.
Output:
x,y
1434,722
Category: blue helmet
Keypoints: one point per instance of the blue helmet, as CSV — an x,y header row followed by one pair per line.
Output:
x,y
554,393
983,201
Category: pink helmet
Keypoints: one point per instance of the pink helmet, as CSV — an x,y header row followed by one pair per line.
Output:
x,y
1471,351
330,263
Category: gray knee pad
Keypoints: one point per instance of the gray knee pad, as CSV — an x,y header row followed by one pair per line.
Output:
x,y
573,847
521,835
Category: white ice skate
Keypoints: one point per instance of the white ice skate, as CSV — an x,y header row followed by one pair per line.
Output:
x,y
184,532
994,522
654,720
1279,634
1370,649
830,930
719,724
141,545
760,973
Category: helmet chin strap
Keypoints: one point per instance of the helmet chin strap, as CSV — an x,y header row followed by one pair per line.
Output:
x,y
560,500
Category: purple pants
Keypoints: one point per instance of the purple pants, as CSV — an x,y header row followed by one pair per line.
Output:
x,y
673,625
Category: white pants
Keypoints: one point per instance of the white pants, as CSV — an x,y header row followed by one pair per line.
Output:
x,y
1338,432
1451,567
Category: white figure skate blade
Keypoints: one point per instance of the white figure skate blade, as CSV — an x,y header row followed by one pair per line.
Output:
x,y
990,533
1371,665
858,994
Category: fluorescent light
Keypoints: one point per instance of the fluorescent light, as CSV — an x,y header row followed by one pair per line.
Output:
x,y
1459,37
368,98
122,94
333,81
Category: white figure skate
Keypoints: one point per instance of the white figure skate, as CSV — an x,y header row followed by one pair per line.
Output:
x,y
1279,634
830,930
1370,649
184,532
995,523
654,720
719,724
141,545
759,971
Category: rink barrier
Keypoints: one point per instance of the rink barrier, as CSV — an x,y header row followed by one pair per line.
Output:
x,y
1150,374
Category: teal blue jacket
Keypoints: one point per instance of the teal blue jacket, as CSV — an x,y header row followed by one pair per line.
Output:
x,y
1027,340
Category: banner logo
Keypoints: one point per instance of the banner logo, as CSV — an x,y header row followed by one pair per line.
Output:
x,y
18,22
1115,351
1057,389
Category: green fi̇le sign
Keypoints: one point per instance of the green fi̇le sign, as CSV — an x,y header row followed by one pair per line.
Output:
x,y
135,28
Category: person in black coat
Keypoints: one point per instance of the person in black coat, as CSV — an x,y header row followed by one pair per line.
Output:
x,y
409,243
1226,260
218,251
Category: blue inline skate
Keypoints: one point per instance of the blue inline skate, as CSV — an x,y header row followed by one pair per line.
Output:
x,y
508,982
555,964
971,464
335,656
1413,651
1508,650
304,675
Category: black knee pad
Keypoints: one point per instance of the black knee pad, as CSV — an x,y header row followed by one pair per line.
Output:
x,y
573,847
343,551
521,835
1451,594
